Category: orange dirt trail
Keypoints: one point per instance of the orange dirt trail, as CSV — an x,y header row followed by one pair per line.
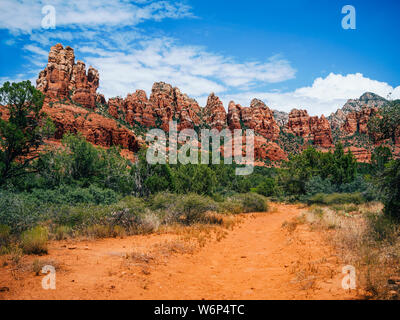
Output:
x,y
258,259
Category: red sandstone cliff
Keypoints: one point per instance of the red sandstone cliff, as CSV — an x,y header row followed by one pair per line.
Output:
x,y
63,78
64,81
310,128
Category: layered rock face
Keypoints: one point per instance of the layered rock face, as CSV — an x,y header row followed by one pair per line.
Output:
x,y
257,117
165,104
357,121
63,78
215,113
310,128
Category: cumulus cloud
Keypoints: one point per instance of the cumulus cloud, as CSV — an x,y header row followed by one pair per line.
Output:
x,y
324,96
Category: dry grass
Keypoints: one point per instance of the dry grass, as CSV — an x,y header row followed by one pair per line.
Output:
x,y
365,240
38,264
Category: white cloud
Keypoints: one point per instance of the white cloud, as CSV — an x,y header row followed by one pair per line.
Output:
x,y
26,15
194,70
324,96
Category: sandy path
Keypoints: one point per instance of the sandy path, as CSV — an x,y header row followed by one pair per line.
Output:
x,y
256,260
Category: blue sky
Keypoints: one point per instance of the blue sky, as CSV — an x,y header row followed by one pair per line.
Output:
x,y
291,54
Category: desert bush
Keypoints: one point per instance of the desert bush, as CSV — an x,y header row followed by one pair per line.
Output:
x,y
383,228
62,232
19,211
336,198
267,187
163,201
194,207
75,195
99,231
5,236
252,202
318,185
34,241
118,231
148,223
230,206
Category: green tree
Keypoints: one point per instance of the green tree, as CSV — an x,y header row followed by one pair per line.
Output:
x,y
80,163
387,126
380,157
200,179
390,183
149,179
21,134
267,187
344,166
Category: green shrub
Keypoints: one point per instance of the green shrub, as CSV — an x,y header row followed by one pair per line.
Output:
x,y
383,228
194,207
318,185
34,241
4,235
252,202
62,232
267,187
336,198
19,211
231,206
98,231
163,201
75,195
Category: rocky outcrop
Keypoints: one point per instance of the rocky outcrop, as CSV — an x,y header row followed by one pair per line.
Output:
x,y
321,131
310,128
63,78
260,119
357,121
166,103
97,129
366,101
138,110
214,113
257,117
361,154
234,118
64,81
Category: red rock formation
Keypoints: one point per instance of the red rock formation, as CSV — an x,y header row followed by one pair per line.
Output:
x,y
321,131
358,121
234,116
214,113
95,128
299,123
264,149
258,117
310,128
361,154
62,78
100,99
165,104
115,107
139,110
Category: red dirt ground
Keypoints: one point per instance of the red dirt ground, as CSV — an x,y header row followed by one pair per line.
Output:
x,y
257,259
